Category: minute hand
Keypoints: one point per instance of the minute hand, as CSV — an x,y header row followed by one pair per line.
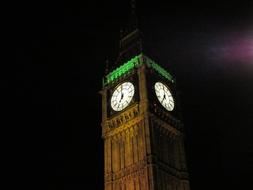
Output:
x,y
121,94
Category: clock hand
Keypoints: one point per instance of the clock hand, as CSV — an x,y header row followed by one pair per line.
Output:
x,y
164,97
122,95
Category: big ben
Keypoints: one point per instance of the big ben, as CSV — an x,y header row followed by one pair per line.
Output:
x,y
141,124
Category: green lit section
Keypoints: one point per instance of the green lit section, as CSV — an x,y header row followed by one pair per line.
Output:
x,y
160,70
122,70
135,62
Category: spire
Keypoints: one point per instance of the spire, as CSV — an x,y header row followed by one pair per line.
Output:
x,y
133,8
130,36
133,19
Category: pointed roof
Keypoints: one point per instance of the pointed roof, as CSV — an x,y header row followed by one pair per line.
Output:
x,y
130,43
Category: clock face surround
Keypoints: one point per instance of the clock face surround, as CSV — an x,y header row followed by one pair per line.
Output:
x,y
122,96
164,96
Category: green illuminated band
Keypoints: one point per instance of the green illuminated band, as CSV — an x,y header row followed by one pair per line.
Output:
x,y
159,69
135,62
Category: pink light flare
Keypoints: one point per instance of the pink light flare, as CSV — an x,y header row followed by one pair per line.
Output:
x,y
239,48
234,48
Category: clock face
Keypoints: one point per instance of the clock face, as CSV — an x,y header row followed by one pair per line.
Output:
x,y
164,96
122,96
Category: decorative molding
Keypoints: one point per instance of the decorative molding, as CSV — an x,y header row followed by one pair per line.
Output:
x,y
166,117
165,128
126,120
128,172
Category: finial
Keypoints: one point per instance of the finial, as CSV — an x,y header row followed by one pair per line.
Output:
x,y
133,6
133,18
106,66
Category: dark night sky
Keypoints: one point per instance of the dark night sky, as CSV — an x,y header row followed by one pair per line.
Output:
x,y
61,48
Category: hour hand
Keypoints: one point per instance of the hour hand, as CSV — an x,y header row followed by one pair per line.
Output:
x,y
164,97
121,96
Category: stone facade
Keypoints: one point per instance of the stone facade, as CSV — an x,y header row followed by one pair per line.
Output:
x,y
143,144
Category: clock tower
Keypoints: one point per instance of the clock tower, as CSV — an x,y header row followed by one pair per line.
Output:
x,y
141,124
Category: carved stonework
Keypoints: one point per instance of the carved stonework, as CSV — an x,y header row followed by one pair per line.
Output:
x,y
125,118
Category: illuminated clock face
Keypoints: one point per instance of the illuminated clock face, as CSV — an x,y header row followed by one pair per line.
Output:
x,y
164,96
122,96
